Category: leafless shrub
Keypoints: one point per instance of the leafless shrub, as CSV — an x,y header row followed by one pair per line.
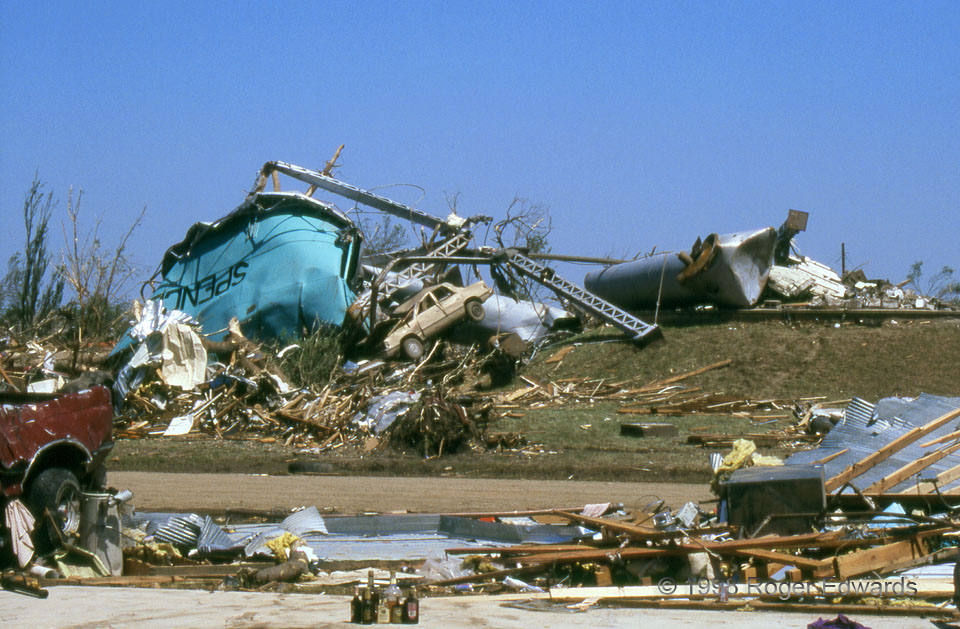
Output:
x,y
27,299
940,285
382,236
99,276
527,225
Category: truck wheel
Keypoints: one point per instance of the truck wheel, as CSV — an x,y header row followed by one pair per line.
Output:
x,y
58,490
412,348
474,310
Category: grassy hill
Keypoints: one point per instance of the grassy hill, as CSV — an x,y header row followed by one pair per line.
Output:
x,y
769,360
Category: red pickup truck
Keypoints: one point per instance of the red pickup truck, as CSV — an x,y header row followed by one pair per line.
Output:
x,y
51,448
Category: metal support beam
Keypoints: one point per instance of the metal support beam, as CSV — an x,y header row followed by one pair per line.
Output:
x,y
318,179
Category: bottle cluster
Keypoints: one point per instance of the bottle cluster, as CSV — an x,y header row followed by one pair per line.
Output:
x,y
372,605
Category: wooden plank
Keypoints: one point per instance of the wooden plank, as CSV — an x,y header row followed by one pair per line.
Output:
x,y
833,456
695,372
788,559
648,430
887,558
895,478
615,526
948,437
943,478
889,450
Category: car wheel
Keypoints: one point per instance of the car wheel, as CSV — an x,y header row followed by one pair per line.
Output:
x,y
55,489
474,310
412,348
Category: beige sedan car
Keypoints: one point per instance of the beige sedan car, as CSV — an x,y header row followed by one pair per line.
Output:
x,y
430,312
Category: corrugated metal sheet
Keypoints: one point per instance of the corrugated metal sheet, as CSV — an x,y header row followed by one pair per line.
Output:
x,y
865,430
181,530
304,522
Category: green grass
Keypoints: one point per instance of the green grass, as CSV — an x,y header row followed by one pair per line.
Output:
x,y
773,359
594,453
770,359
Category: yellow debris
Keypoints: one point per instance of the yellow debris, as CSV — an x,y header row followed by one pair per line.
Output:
x,y
282,544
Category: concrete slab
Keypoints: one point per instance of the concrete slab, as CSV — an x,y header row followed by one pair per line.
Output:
x,y
74,607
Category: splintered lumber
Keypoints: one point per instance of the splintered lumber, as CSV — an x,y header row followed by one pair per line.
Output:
x,y
561,353
818,567
810,540
895,478
885,452
496,574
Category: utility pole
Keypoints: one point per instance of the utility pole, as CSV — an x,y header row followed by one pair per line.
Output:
x,y
843,260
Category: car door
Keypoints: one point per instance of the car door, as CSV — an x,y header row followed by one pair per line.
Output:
x,y
428,314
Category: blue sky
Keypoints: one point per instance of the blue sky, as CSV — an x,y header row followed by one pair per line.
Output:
x,y
640,124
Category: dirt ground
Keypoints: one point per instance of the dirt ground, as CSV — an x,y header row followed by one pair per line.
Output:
x,y
210,493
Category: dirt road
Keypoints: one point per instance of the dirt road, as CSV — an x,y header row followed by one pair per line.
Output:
x,y
352,494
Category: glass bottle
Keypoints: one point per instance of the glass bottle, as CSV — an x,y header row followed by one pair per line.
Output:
x,y
411,608
394,599
356,606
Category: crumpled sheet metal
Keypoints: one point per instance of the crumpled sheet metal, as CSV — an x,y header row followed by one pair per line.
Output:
x,y
20,522
529,320
187,530
302,524
383,410
401,536
183,531
735,278
280,263
183,358
178,351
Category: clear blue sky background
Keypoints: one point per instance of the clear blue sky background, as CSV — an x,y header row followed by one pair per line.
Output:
x,y
640,124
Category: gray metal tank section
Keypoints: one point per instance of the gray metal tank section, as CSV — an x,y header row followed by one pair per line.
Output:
x,y
734,277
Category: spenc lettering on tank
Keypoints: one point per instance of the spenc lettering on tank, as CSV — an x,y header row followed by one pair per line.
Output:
x,y
203,290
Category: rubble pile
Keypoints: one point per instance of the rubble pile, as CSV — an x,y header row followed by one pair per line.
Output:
x,y
842,531
803,281
245,395
862,536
